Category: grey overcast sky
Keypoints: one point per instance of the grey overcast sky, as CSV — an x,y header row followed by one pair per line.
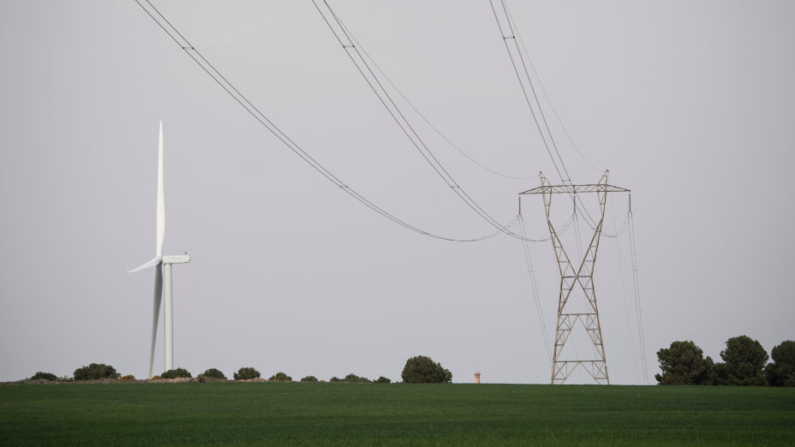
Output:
x,y
689,104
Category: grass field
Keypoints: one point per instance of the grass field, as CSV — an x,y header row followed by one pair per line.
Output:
x,y
321,414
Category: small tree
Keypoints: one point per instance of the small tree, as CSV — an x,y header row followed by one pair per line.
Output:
x,y
309,379
335,379
782,371
213,373
745,360
422,369
246,373
683,364
50,377
280,377
176,374
382,379
96,371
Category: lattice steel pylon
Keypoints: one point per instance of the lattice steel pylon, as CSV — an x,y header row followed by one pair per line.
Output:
x,y
572,276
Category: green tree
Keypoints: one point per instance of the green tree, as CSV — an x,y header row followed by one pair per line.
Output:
x,y
50,377
744,362
280,377
213,373
422,369
246,373
782,371
177,373
96,371
309,379
683,363
382,379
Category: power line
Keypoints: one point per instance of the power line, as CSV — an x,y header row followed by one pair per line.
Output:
x,y
636,282
534,286
625,297
345,39
241,99
511,36
546,95
422,116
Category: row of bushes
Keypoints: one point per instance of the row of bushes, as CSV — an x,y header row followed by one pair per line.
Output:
x,y
418,369
744,363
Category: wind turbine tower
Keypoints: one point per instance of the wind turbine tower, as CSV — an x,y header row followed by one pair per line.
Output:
x,y
162,265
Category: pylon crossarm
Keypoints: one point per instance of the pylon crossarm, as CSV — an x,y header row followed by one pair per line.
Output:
x,y
573,189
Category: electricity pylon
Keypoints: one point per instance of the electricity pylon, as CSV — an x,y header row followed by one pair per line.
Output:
x,y
571,276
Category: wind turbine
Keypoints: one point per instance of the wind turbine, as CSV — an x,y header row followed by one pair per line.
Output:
x,y
162,265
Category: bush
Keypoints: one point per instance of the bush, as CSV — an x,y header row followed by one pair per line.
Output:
x,y
382,379
280,377
96,371
50,377
353,378
335,379
309,379
128,378
213,373
246,373
176,374
155,377
421,369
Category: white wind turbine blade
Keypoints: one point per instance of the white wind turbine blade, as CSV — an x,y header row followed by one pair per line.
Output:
x,y
156,314
161,206
148,264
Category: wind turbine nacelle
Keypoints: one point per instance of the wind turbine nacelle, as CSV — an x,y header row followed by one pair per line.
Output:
x,y
176,259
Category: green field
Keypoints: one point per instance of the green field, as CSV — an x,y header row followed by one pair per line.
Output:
x,y
211,414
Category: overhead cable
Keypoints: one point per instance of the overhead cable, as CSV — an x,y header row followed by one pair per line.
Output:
x,y
546,95
508,33
636,282
531,272
346,41
626,299
427,121
241,99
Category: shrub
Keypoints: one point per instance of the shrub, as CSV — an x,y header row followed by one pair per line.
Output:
x,y
176,374
280,377
128,378
96,371
155,377
309,379
214,374
335,379
50,377
382,379
422,369
353,378
246,373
